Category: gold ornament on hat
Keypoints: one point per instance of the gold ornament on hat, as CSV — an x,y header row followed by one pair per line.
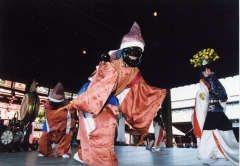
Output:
x,y
204,57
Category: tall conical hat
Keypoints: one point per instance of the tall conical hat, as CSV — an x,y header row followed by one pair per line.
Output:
x,y
131,39
57,94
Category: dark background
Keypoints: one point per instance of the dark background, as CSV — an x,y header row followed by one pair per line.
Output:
x,y
44,39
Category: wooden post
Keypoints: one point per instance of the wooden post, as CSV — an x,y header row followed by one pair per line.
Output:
x,y
167,118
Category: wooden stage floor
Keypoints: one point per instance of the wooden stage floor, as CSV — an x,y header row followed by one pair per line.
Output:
x,y
126,157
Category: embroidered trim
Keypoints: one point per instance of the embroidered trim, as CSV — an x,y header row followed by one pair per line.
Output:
x,y
218,144
197,130
206,83
160,136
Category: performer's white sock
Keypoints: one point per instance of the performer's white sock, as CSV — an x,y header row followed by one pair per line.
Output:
x,y
40,154
77,158
65,156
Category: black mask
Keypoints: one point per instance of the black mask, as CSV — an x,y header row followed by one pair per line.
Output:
x,y
132,51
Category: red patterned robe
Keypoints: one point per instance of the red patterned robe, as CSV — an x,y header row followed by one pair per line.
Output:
x,y
57,124
140,105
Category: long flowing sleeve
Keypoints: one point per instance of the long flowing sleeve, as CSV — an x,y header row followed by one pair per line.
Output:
x,y
200,109
56,121
216,90
99,90
141,105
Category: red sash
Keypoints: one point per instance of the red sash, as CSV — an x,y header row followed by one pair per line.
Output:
x,y
134,80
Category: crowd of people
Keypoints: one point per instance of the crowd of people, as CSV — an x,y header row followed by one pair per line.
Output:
x,y
117,86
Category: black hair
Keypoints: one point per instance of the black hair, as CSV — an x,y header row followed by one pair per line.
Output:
x,y
211,66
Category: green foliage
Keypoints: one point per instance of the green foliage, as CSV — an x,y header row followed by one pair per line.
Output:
x,y
40,117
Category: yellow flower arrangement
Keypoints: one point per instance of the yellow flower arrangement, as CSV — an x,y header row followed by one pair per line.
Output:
x,y
203,57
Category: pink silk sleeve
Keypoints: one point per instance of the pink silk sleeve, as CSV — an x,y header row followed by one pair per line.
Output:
x,y
100,88
141,105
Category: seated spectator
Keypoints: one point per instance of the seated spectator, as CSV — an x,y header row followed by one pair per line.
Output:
x,y
184,145
192,145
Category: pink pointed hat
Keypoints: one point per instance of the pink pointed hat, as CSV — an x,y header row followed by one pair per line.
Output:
x,y
131,39
57,94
